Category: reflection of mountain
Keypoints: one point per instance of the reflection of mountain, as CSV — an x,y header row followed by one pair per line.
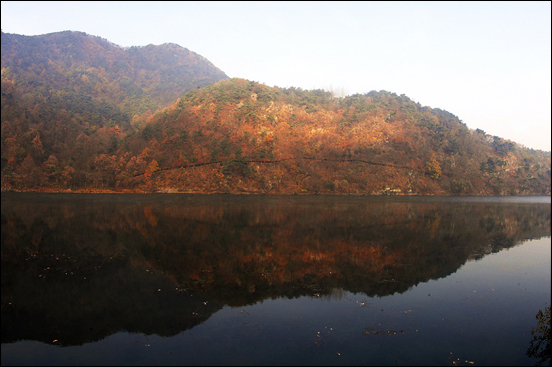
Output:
x,y
98,297
207,251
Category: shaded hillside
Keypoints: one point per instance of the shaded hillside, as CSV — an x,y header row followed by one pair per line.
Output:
x,y
81,117
59,85
83,71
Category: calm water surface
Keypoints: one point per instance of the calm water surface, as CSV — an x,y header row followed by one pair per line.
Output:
x,y
264,280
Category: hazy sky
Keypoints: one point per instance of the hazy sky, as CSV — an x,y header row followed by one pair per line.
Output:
x,y
489,63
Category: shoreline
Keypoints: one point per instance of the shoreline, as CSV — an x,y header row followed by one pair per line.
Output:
x,y
47,190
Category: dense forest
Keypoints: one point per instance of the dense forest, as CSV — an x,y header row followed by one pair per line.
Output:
x,y
82,114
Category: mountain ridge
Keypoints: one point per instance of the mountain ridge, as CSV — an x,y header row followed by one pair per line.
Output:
x,y
164,119
152,76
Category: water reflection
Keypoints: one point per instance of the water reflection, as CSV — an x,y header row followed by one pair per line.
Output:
x,y
78,268
540,345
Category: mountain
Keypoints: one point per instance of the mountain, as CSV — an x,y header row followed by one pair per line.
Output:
x,y
78,114
87,74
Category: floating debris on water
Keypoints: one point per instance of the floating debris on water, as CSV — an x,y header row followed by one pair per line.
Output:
x,y
382,332
458,360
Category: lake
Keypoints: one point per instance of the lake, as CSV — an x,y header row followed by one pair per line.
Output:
x,y
176,279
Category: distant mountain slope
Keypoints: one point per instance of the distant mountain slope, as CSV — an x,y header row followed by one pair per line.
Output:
x,y
77,66
79,113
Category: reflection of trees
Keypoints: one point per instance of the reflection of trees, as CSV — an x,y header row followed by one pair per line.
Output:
x,y
228,250
540,345
83,299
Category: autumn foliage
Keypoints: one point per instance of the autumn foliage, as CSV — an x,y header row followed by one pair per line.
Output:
x,y
80,126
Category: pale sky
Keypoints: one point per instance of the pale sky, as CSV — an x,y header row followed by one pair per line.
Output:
x,y
489,63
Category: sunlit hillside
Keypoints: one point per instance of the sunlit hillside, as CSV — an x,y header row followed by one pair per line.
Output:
x,y
79,113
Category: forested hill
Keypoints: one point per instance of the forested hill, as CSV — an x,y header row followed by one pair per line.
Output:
x,y
92,77
82,122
